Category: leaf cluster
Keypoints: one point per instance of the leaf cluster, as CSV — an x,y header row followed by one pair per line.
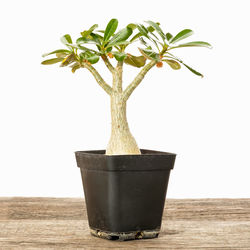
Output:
x,y
110,42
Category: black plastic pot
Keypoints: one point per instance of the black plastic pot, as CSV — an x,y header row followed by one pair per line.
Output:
x,y
125,194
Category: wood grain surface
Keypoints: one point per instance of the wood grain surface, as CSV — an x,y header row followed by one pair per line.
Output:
x,y
61,223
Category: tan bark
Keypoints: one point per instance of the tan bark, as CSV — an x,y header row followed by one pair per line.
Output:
x,y
131,87
121,141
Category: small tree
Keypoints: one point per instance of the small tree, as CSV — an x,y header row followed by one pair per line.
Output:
x,y
108,44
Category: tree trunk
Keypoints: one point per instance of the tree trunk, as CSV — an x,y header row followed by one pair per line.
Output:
x,y
121,141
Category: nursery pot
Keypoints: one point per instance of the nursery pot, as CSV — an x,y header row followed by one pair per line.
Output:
x,y
125,194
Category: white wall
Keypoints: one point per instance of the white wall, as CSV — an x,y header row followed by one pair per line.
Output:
x,y
47,112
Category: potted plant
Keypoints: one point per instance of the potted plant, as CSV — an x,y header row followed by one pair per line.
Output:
x,y
124,186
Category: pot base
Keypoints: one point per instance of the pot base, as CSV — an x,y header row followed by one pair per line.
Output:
x,y
122,236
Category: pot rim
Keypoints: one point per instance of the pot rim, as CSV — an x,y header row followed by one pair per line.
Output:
x,y
144,152
149,160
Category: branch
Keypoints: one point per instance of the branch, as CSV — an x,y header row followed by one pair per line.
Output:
x,y
108,64
98,78
131,87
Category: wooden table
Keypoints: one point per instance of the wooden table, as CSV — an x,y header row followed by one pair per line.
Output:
x,y
61,223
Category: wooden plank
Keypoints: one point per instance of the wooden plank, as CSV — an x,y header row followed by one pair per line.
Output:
x,y
61,223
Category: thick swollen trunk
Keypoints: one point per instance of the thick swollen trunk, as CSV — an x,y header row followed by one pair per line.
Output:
x,y
121,141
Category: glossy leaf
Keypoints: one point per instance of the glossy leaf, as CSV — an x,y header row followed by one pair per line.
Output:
x,y
132,26
151,28
61,55
89,56
143,41
157,28
157,39
110,29
52,61
79,46
82,40
150,54
92,39
143,30
93,59
98,38
119,56
109,49
173,64
86,33
66,39
135,61
120,36
135,37
120,43
181,35
192,70
169,36
57,51
85,54
193,44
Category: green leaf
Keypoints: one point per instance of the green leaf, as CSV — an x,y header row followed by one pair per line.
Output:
x,y
135,37
87,49
86,33
135,61
61,55
143,41
96,37
143,30
157,28
66,39
132,26
109,49
181,35
169,36
120,36
57,51
192,70
119,44
119,56
150,54
173,64
151,28
82,40
52,61
193,44
157,39
93,59
110,29
91,39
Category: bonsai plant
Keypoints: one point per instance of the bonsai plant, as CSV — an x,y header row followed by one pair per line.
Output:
x,y
124,186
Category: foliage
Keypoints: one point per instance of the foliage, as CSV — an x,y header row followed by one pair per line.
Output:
x,y
112,43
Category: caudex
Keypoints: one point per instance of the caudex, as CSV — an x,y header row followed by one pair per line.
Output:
x,y
156,49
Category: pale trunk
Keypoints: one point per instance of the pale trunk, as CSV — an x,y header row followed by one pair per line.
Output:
x,y
121,141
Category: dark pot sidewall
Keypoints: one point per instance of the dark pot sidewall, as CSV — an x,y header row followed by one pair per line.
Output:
x,y
125,194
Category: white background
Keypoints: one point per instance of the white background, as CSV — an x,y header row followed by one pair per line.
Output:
x,y
47,112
